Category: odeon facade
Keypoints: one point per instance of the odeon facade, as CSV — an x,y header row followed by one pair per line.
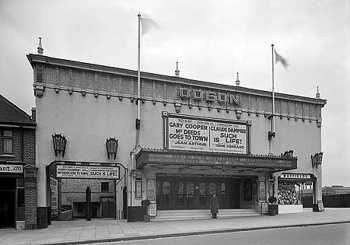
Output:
x,y
194,139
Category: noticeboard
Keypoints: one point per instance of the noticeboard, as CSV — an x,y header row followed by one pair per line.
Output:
x,y
185,133
87,172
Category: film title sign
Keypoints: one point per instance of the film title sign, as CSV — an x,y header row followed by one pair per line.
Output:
x,y
10,168
203,135
87,172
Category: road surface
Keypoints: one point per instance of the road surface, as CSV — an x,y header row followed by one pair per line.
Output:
x,y
338,234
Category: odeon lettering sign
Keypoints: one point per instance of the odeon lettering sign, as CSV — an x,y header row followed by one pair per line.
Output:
x,y
209,96
185,133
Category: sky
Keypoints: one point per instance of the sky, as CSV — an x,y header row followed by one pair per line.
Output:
x,y
212,41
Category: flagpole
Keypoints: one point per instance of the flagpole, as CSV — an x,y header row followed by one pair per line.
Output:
x,y
138,74
273,90
272,132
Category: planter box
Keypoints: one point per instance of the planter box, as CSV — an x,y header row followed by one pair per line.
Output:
x,y
273,209
136,213
289,209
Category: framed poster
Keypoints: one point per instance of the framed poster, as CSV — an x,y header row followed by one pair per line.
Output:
x,y
151,189
138,188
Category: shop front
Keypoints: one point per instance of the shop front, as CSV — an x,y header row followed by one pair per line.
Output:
x,y
15,180
290,190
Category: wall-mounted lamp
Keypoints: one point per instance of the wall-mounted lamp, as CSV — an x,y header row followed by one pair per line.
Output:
x,y
59,144
112,148
316,159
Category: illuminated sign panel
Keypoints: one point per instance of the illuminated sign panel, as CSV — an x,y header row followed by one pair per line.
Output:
x,y
206,135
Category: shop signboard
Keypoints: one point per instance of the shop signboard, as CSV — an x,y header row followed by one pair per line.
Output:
x,y
206,135
295,176
87,172
11,168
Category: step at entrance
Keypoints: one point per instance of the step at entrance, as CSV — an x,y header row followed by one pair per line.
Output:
x,y
163,215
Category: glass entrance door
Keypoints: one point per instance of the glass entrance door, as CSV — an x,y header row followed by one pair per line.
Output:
x,y
195,192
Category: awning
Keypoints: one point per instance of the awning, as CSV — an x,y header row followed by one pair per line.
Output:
x,y
179,158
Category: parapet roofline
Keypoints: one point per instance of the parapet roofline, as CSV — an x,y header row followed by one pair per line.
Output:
x,y
36,58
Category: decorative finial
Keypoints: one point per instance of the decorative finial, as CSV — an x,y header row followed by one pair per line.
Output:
x,y
177,71
40,48
317,93
237,79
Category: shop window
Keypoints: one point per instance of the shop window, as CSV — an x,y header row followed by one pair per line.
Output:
x,y
287,194
7,142
104,187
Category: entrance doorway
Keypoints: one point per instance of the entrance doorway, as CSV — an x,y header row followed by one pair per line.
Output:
x,y
7,202
177,192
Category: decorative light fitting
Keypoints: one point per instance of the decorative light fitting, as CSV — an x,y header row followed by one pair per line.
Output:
x,y
112,148
59,144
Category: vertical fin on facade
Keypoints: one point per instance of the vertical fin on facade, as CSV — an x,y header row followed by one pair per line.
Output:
x,y
40,48
177,71
318,95
237,79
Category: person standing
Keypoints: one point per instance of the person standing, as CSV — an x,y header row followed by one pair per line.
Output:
x,y
214,206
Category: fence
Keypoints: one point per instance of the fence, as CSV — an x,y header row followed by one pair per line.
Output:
x,y
329,201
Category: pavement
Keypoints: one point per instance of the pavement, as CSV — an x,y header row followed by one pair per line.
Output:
x,y
107,230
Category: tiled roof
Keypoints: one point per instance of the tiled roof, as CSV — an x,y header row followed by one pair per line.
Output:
x,y
11,114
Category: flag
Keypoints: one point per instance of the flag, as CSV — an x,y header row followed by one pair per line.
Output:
x,y
279,58
147,24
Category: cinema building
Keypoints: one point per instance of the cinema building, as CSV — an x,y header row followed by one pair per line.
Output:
x,y
193,139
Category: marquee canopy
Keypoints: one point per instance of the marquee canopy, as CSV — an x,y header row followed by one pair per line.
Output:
x,y
179,158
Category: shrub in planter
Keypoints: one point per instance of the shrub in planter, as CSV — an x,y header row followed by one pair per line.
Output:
x,y
145,203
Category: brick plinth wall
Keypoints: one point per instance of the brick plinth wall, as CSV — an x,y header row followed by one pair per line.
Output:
x,y
30,185
30,198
